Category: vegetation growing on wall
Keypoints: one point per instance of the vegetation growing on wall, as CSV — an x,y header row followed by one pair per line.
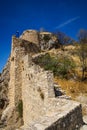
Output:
x,y
20,108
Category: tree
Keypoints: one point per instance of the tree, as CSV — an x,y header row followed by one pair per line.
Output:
x,y
82,51
64,39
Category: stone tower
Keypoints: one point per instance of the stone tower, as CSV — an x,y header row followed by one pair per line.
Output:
x,y
31,36
20,48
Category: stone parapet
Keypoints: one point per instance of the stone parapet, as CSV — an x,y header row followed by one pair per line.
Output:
x,y
64,115
31,36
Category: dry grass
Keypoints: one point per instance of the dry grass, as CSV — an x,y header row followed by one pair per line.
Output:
x,y
72,88
76,60
84,110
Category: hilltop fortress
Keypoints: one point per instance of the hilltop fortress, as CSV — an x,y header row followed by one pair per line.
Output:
x,y
34,87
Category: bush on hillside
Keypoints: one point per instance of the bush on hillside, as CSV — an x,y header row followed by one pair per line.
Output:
x,y
60,66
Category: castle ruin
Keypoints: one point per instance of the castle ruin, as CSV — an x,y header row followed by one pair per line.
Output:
x,y
34,86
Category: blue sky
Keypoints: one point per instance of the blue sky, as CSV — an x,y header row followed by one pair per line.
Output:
x,y
68,16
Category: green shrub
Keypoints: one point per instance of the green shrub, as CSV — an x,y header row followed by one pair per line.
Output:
x,y
65,67
20,108
60,66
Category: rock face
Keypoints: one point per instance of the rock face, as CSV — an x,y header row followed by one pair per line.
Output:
x,y
33,87
4,83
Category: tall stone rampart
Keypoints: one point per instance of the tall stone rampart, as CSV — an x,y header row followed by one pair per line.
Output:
x,y
19,49
37,87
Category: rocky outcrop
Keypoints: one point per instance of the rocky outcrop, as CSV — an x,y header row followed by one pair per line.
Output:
x,y
4,83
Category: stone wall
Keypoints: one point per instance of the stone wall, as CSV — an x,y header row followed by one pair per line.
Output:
x,y
60,115
48,41
44,40
37,87
19,49
29,47
70,121
41,110
31,36
15,72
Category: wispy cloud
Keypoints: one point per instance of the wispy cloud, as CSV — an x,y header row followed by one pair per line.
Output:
x,y
67,22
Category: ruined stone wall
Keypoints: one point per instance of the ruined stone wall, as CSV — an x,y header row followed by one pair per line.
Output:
x,y
34,86
37,87
19,49
11,89
41,110
31,36
15,72
70,120
44,40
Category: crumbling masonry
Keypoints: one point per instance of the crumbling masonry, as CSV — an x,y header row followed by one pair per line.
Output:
x,y
34,86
